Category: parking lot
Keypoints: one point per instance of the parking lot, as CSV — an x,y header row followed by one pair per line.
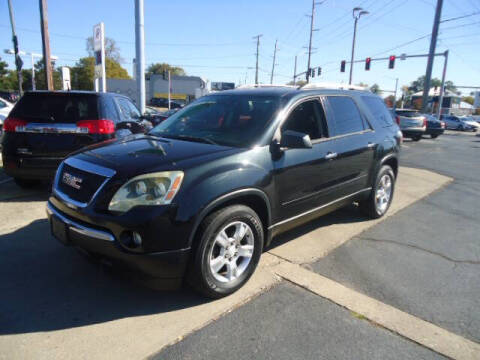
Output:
x,y
338,287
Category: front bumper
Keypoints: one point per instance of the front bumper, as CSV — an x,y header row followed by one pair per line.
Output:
x,y
167,267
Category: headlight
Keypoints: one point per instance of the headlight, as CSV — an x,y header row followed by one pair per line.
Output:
x,y
148,189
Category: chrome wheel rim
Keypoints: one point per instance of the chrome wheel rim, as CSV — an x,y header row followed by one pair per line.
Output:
x,y
231,251
383,193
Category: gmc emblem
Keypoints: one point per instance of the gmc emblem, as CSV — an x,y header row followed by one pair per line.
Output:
x,y
71,180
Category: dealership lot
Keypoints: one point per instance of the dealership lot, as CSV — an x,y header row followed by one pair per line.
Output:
x,y
422,259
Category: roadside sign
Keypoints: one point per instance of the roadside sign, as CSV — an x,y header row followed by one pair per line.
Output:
x,y
403,56
99,54
66,78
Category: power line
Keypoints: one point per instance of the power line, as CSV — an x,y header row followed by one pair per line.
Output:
x,y
460,17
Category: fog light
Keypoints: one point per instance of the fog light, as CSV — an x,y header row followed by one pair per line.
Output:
x,y
137,239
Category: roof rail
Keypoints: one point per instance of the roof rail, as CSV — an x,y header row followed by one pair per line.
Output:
x,y
332,85
251,86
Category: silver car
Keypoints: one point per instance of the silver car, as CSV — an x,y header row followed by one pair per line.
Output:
x,y
411,122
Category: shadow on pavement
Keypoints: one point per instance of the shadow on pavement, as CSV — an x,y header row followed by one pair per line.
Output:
x,y
46,286
347,215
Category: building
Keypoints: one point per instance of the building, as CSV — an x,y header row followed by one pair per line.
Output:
x,y
451,104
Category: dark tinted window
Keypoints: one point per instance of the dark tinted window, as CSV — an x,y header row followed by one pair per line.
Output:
x,y
109,111
307,118
129,111
234,120
409,114
378,109
58,108
345,115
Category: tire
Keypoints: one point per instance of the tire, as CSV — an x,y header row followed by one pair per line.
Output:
x,y
26,183
216,279
460,128
417,138
433,136
371,206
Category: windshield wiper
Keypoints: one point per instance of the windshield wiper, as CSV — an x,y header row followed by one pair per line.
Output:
x,y
187,138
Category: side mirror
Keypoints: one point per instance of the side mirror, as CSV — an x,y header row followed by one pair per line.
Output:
x,y
295,140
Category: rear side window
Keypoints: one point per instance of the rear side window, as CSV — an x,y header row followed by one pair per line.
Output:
x,y
345,115
109,111
130,112
378,109
57,108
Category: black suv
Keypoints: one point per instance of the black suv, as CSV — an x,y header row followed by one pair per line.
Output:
x,y
44,127
204,192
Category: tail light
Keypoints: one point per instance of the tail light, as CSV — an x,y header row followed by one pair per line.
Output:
x,y
397,119
424,122
102,126
11,124
442,124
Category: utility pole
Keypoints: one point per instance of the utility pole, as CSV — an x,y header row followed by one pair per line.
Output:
x,y
273,64
140,55
395,95
46,44
433,44
357,13
295,71
256,66
310,42
442,88
18,59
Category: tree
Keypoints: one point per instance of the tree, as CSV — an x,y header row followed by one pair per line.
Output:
x,y
417,85
159,68
112,51
82,73
40,83
468,99
6,82
375,88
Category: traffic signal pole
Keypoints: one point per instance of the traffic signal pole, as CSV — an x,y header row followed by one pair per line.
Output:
x,y
18,60
442,87
431,54
140,54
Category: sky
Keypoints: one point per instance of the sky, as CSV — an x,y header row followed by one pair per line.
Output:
x,y
214,38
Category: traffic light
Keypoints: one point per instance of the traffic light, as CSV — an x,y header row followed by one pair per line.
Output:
x,y
342,66
312,73
367,63
391,62
319,72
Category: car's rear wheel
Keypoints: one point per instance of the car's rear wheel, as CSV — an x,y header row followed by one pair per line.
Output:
x,y
26,183
433,136
417,138
228,251
381,195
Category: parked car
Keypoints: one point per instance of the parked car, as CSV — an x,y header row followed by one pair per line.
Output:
x,y
435,127
156,117
412,123
5,108
469,120
163,103
10,96
44,127
204,192
476,118
456,123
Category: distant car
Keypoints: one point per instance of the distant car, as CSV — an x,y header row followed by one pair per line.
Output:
x,y
46,126
469,120
10,96
5,108
456,123
411,122
156,117
435,127
163,103
476,118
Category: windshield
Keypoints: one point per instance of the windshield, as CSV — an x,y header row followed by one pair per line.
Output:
x,y
232,120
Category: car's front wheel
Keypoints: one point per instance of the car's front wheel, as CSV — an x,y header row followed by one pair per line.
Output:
x,y
417,137
228,251
433,136
381,195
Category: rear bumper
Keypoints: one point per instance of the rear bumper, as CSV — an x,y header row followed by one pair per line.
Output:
x,y
434,131
31,168
413,132
166,268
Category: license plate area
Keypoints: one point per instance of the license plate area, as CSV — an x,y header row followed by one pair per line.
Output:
x,y
59,230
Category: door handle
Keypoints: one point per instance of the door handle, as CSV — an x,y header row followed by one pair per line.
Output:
x,y
370,145
331,155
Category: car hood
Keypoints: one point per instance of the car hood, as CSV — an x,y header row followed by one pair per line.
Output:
x,y
143,153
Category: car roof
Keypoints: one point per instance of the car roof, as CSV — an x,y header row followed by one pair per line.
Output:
x,y
289,92
74,92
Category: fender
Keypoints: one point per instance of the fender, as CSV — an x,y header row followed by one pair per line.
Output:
x,y
228,197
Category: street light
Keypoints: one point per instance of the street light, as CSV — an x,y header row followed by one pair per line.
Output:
x,y
32,56
357,13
